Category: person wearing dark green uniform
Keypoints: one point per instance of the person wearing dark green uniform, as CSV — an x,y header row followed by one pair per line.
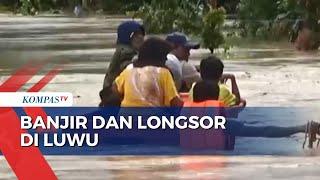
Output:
x,y
130,38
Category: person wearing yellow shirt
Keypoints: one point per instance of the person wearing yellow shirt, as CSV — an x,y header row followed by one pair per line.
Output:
x,y
211,69
148,83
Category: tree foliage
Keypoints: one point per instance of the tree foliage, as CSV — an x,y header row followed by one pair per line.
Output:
x,y
193,17
27,7
211,34
274,18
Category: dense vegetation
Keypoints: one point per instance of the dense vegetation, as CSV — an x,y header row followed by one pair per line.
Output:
x,y
193,17
267,19
111,6
274,18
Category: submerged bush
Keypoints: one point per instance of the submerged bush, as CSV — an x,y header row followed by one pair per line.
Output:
x,y
255,16
27,8
212,36
156,19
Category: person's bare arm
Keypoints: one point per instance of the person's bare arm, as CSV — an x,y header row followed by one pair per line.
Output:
x,y
234,85
176,102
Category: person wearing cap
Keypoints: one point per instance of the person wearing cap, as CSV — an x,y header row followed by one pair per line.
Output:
x,y
184,73
130,37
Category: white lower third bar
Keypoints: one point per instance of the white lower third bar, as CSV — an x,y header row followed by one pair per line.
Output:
x,y
36,99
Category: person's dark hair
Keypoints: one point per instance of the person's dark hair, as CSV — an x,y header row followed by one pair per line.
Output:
x,y
205,90
211,68
153,52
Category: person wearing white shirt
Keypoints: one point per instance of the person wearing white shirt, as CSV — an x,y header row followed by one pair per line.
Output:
x,y
173,63
184,73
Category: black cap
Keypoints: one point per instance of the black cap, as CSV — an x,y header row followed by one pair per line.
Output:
x,y
126,29
182,40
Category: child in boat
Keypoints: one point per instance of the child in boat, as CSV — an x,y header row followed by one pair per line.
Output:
x,y
211,69
148,83
236,128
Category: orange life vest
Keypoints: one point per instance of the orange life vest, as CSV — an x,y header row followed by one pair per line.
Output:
x,y
215,139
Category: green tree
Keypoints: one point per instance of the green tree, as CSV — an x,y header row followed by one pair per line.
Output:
x,y
272,18
311,12
255,15
212,36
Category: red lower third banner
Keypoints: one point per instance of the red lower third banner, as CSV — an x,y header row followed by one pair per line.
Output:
x,y
26,162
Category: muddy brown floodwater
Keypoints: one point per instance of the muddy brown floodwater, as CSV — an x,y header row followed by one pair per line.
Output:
x,y
269,74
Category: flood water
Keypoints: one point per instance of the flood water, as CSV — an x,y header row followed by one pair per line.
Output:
x,y
269,74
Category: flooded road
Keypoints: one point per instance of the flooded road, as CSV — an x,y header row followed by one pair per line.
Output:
x,y
269,74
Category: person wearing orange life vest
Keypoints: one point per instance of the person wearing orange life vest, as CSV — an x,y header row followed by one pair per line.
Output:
x,y
202,96
215,139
